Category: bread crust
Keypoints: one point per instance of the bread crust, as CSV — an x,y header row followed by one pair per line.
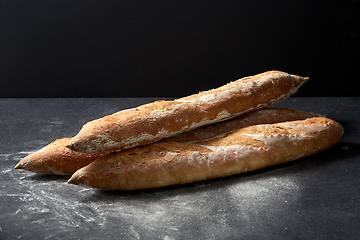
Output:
x,y
245,149
266,115
151,122
55,158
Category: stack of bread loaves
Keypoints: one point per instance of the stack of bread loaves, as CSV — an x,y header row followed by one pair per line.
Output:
x,y
211,134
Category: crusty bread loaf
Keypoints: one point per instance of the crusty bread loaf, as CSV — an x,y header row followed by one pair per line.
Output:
x,y
246,149
151,122
262,116
55,158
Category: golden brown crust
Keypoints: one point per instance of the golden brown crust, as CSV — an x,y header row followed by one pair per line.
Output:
x,y
246,149
151,122
262,116
55,158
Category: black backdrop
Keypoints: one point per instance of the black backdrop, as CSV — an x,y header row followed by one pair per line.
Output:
x,y
172,48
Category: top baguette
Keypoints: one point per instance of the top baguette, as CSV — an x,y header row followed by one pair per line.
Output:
x,y
161,119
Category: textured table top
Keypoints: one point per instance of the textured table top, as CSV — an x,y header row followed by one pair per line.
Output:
x,y
311,198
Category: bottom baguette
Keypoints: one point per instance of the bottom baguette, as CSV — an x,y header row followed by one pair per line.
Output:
x,y
242,150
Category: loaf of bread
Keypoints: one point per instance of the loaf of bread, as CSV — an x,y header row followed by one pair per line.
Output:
x,y
262,116
55,158
151,122
245,149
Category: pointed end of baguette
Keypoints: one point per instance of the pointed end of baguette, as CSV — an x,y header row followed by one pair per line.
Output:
x,y
305,79
71,147
72,181
19,165
78,179
92,143
300,80
78,146
75,179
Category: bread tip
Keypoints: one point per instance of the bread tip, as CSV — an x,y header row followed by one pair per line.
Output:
x,y
75,179
18,166
300,79
72,146
72,180
80,146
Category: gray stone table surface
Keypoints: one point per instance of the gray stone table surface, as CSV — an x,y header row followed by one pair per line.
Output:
x,y
316,197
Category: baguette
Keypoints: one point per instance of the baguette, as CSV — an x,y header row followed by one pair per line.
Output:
x,y
262,116
55,158
151,122
246,149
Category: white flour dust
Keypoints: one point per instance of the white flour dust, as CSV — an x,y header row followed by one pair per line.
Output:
x,y
52,208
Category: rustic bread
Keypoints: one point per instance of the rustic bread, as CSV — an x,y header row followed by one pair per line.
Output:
x,y
55,158
262,116
151,122
246,149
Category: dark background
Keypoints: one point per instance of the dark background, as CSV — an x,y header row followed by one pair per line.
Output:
x,y
172,48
